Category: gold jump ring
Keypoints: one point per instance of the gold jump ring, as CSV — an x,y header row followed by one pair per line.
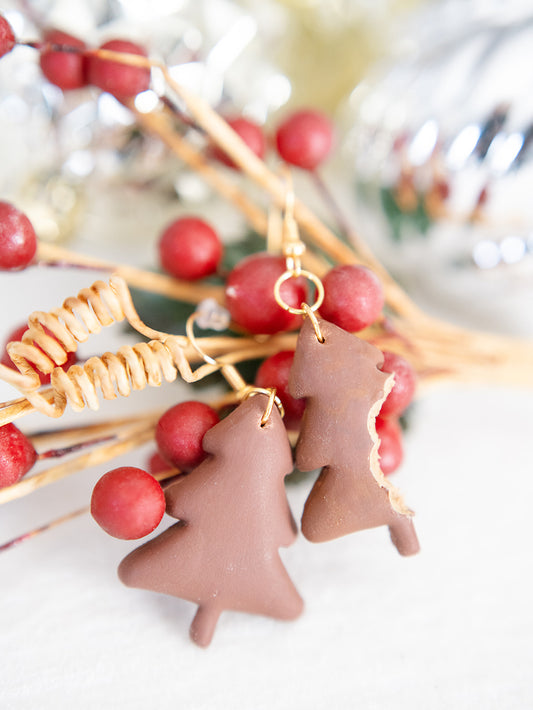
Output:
x,y
295,274
272,399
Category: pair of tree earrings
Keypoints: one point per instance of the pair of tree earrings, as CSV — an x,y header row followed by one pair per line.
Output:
x,y
232,509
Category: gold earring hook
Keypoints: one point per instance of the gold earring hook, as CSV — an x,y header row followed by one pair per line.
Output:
x,y
293,248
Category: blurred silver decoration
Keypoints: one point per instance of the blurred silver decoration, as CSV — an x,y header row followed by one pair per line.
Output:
x,y
441,148
81,138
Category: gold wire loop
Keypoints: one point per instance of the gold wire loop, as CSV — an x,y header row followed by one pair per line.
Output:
x,y
230,372
319,298
251,391
189,329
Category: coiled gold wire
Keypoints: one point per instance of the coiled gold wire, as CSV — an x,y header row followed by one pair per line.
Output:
x,y
130,368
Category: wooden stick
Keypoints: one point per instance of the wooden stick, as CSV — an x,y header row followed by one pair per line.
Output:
x,y
81,433
139,278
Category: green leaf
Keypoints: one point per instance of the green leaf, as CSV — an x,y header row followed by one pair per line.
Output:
x,y
160,312
235,252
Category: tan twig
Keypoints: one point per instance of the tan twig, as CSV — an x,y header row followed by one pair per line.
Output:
x,y
80,433
134,439
43,528
138,278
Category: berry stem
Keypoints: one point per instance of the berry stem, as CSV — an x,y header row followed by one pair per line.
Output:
x,y
32,44
43,528
332,204
41,45
167,477
64,264
65,450
178,113
343,224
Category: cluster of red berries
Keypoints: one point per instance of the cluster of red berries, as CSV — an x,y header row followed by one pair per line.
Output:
x,y
304,139
67,62
129,503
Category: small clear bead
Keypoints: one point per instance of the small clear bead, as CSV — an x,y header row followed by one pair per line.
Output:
x,y
212,316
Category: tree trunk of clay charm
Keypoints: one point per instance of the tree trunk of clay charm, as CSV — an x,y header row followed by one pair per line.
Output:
x,y
344,390
234,515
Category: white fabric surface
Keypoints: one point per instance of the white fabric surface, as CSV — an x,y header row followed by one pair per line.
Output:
x,y
450,628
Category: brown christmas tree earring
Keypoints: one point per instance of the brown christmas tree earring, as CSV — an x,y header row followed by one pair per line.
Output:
x,y
233,516
339,375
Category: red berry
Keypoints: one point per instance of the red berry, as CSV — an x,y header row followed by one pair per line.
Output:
x,y
17,455
274,372
180,431
64,69
404,384
353,297
190,249
16,335
304,139
18,242
157,464
128,503
7,37
250,132
122,80
250,295
390,447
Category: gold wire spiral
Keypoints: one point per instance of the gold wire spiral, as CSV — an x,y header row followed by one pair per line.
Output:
x,y
130,368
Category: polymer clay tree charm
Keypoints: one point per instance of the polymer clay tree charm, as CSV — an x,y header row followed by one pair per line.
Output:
x,y
233,516
344,388
339,376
